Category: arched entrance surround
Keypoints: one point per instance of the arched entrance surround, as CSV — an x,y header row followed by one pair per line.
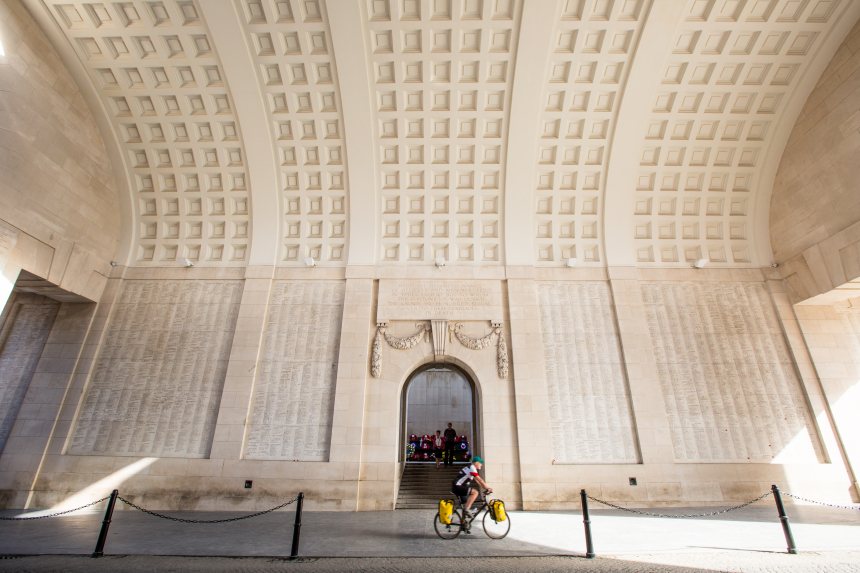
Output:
x,y
476,441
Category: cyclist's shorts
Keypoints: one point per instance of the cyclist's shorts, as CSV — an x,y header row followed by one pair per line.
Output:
x,y
460,490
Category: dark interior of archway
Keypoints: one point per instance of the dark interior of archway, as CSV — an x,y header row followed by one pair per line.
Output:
x,y
435,397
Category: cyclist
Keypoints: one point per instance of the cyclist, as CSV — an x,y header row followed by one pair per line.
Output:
x,y
464,485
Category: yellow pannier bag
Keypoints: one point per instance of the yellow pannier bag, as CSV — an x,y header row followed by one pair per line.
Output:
x,y
446,508
498,507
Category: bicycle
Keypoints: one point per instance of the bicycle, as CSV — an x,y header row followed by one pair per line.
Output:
x,y
461,522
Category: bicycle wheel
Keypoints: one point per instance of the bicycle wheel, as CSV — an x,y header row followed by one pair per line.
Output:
x,y
496,529
451,530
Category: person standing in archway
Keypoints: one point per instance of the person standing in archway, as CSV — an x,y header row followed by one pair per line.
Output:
x,y
450,435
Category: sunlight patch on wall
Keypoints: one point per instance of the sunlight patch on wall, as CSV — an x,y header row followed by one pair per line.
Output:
x,y
97,490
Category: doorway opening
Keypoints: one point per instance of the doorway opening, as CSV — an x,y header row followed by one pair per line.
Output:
x,y
434,396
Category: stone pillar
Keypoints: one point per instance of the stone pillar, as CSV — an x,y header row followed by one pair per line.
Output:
x,y
230,427
646,396
352,377
530,394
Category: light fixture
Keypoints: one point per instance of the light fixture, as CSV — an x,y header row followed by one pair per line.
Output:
x,y
700,263
310,262
440,260
113,263
571,262
187,263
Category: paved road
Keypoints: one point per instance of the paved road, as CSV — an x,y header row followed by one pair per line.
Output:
x,y
746,562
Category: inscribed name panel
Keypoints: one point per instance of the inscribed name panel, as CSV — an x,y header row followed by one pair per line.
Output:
x,y
22,338
727,378
156,384
292,408
590,415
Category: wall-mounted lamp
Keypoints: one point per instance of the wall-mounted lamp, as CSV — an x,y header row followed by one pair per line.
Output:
x,y
310,262
700,263
440,260
571,262
113,263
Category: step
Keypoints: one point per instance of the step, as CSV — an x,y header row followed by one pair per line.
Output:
x,y
422,485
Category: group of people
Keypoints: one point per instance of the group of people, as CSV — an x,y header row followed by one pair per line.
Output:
x,y
444,449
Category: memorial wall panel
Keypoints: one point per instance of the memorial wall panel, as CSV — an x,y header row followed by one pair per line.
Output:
x,y
22,337
157,381
730,388
589,401
291,412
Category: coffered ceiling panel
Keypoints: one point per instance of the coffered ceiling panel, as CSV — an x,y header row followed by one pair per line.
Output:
x,y
593,46
442,74
723,89
292,51
154,67
616,132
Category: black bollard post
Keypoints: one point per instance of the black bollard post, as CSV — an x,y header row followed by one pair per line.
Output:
x,y
589,547
783,518
100,544
297,527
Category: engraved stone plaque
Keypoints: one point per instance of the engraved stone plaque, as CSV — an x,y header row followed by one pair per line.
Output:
x,y
439,299
22,338
726,374
292,408
157,382
590,414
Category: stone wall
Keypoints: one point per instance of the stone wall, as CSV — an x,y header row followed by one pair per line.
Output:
x,y
687,380
58,193
815,207
832,334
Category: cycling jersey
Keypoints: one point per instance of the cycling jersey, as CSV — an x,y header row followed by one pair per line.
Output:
x,y
467,474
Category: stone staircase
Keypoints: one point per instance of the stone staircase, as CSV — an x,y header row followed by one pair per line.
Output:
x,y
422,485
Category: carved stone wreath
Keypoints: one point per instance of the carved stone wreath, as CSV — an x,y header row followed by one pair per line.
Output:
x,y
455,331
484,342
395,342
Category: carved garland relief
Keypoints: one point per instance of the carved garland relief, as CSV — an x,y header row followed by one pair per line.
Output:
x,y
438,329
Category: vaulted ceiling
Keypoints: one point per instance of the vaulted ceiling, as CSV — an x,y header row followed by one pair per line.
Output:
x,y
487,132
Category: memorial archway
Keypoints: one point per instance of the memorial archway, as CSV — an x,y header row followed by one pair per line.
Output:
x,y
433,396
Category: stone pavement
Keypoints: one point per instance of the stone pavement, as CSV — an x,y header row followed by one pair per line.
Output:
x,y
743,562
749,539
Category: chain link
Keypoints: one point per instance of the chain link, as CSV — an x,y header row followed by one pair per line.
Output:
x,y
681,515
53,514
228,520
837,506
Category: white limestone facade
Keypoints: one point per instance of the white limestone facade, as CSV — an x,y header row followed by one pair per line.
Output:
x,y
232,231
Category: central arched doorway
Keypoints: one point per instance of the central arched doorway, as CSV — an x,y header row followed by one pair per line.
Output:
x,y
434,396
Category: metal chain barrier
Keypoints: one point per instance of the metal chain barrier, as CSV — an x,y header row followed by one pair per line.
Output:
x,y
182,520
837,506
682,515
53,514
